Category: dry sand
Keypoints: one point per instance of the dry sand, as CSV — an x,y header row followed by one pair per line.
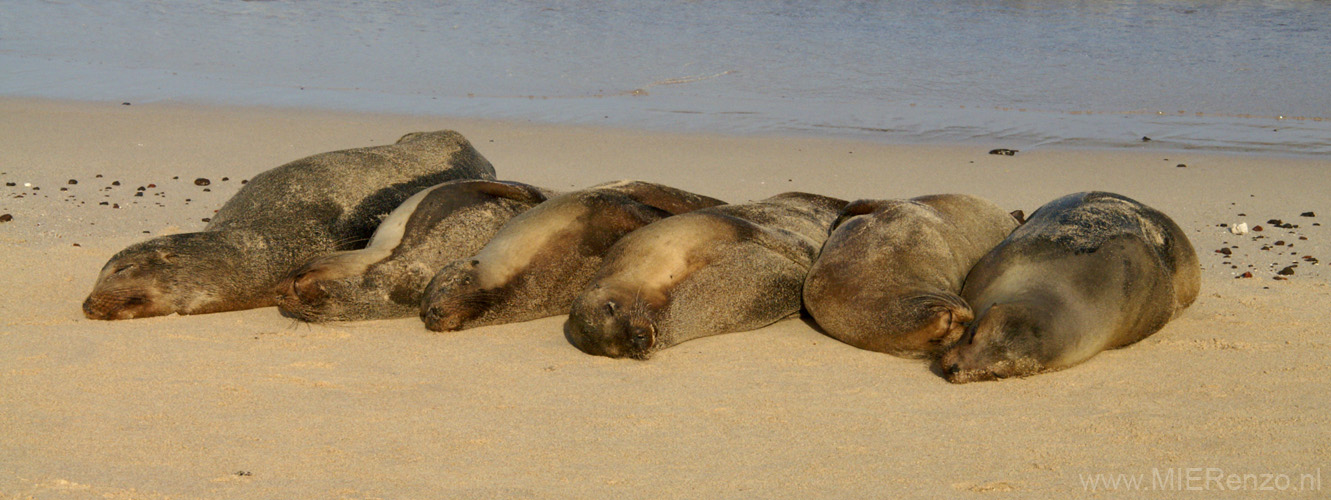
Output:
x,y
253,405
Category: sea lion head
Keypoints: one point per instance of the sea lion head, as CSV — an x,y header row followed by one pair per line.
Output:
x,y
170,274
614,322
1004,342
456,296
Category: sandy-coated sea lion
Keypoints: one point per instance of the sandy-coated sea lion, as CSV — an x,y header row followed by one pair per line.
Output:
x,y
1087,272
889,277
717,270
280,219
387,278
540,260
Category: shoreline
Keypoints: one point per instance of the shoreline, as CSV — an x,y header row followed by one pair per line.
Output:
x,y
251,404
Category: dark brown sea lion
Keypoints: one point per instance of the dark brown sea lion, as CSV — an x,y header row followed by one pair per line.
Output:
x,y
1087,272
387,278
717,270
280,219
889,277
540,260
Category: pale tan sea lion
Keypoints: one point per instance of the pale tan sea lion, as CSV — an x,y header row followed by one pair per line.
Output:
x,y
717,270
540,260
387,278
1087,272
280,219
889,277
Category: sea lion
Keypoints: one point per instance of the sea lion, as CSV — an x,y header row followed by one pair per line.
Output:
x,y
281,218
717,270
1087,272
889,276
540,260
387,278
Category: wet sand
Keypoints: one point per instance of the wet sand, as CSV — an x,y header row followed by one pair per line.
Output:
x,y
254,405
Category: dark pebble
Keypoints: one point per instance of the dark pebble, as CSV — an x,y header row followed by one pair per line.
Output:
x,y
1287,271
202,182
224,179
1243,215
1275,222
1146,139
99,176
1257,228
1222,224
6,218
152,186
243,181
72,182
1307,214
115,183
207,219
124,104
104,203
10,184
1225,251
206,190
139,194
1003,152
115,205
1303,237
141,188
1280,242
1246,274
1182,166
1279,278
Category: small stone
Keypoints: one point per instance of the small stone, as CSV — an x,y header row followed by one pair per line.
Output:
x,y
1280,243
141,188
115,183
6,218
224,179
124,104
104,203
1287,271
10,184
1257,228
73,182
1146,139
152,186
139,194
1246,274
1224,251
1182,166
1003,152
207,219
115,205
202,182
1307,214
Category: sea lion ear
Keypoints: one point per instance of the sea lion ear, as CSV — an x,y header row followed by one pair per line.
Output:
x,y
1019,215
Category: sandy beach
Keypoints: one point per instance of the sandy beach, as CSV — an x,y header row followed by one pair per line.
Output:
x,y
254,405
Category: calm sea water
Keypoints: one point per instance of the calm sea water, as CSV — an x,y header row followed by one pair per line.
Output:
x,y
1251,76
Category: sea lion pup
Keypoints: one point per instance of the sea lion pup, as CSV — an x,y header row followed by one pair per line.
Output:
x,y
540,260
281,218
387,278
1087,272
889,277
717,270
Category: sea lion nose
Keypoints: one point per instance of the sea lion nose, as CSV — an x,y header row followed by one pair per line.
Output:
x,y
952,369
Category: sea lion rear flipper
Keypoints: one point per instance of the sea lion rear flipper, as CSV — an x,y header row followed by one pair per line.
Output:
x,y
666,198
943,319
516,191
1019,215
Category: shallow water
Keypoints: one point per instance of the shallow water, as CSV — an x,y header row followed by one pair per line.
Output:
x,y
1248,76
